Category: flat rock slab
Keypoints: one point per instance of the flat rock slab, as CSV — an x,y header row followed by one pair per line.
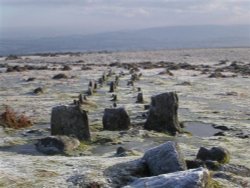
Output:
x,y
195,178
57,144
165,158
71,121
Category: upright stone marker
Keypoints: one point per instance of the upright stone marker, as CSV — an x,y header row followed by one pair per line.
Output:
x,y
163,113
71,121
115,119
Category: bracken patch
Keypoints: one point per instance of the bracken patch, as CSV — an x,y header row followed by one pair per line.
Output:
x,y
9,118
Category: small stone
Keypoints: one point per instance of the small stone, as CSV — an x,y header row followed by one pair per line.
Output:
x,y
66,68
121,151
38,90
114,97
221,127
216,75
60,76
30,79
215,154
219,134
139,98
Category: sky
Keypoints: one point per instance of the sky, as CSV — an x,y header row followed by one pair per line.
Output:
x,y
46,18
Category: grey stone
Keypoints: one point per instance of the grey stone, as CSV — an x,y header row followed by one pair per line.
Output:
x,y
139,98
60,76
70,120
219,154
112,87
165,158
115,119
121,151
38,90
163,113
195,178
57,144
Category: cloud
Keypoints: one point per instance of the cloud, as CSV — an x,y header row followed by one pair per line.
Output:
x,y
107,15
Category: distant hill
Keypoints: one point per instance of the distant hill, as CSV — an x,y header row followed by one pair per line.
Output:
x,y
209,36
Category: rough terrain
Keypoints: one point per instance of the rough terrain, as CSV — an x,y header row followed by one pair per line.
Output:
x,y
212,85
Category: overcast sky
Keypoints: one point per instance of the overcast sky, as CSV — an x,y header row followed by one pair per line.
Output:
x,y
68,17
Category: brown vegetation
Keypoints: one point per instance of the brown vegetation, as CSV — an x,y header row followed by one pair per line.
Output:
x,y
10,119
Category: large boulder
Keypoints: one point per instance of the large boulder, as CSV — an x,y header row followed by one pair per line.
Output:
x,y
115,119
70,120
57,144
195,178
219,154
163,159
163,113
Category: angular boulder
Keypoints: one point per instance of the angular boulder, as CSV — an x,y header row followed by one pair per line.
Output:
x,y
163,113
70,120
219,154
195,178
115,119
57,144
163,159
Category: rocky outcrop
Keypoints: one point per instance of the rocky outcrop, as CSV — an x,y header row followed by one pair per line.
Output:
x,y
70,120
215,154
163,113
163,159
115,119
57,144
195,178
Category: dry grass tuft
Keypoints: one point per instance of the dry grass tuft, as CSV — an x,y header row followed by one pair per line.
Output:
x,y
9,118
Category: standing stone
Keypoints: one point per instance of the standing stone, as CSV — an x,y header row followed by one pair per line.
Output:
x,y
165,158
163,113
116,80
80,99
89,91
139,98
112,87
70,120
95,86
91,83
115,119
